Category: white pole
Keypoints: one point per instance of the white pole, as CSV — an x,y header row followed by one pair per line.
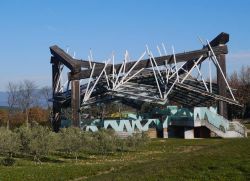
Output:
x,y
90,92
210,75
118,75
175,64
191,69
133,66
159,72
159,50
164,49
90,58
201,77
86,91
215,59
132,76
151,56
106,76
170,88
113,69
156,78
59,80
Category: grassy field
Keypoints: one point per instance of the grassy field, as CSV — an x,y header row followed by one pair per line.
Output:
x,y
169,159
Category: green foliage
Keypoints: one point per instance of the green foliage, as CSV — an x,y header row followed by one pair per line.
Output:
x,y
104,141
25,136
8,161
41,142
9,142
161,159
71,140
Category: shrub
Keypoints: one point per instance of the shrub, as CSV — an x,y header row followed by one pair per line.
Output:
x,y
41,142
37,141
104,141
8,161
9,142
71,141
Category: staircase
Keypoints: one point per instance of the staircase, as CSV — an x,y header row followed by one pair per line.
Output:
x,y
219,125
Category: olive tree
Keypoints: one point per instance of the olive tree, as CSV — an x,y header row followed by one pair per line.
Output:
x,y
9,142
41,143
71,141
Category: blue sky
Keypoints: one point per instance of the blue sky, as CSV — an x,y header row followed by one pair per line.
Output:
x,y
28,28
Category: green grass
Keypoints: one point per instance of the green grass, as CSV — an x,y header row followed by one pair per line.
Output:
x,y
170,159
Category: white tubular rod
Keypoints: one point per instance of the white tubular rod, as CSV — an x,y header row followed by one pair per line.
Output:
x,y
86,91
90,58
164,49
141,57
133,75
106,76
156,78
215,59
191,69
151,57
202,77
166,68
74,55
210,75
175,64
159,72
167,75
170,88
125,61
202,42
90,92
61,90
175,72
113,69
117,77
159,50
59,80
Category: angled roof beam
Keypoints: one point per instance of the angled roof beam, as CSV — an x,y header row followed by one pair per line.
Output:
x,y
180,57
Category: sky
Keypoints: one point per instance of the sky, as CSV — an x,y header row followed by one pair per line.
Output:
x,y
28,28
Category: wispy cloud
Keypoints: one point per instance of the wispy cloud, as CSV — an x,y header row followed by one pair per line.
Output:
x,y
50,28
242,55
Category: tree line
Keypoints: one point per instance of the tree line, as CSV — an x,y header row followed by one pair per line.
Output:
x,y
26,103
240,82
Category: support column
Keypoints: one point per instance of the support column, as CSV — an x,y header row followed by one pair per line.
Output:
x,y
75,102
222,86
56,112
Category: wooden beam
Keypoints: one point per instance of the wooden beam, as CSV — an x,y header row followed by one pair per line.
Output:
x,y
180,57
56,108
75,102
64,58
221,39
222,86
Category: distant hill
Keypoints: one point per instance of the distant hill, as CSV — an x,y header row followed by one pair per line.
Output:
x,y
3,98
